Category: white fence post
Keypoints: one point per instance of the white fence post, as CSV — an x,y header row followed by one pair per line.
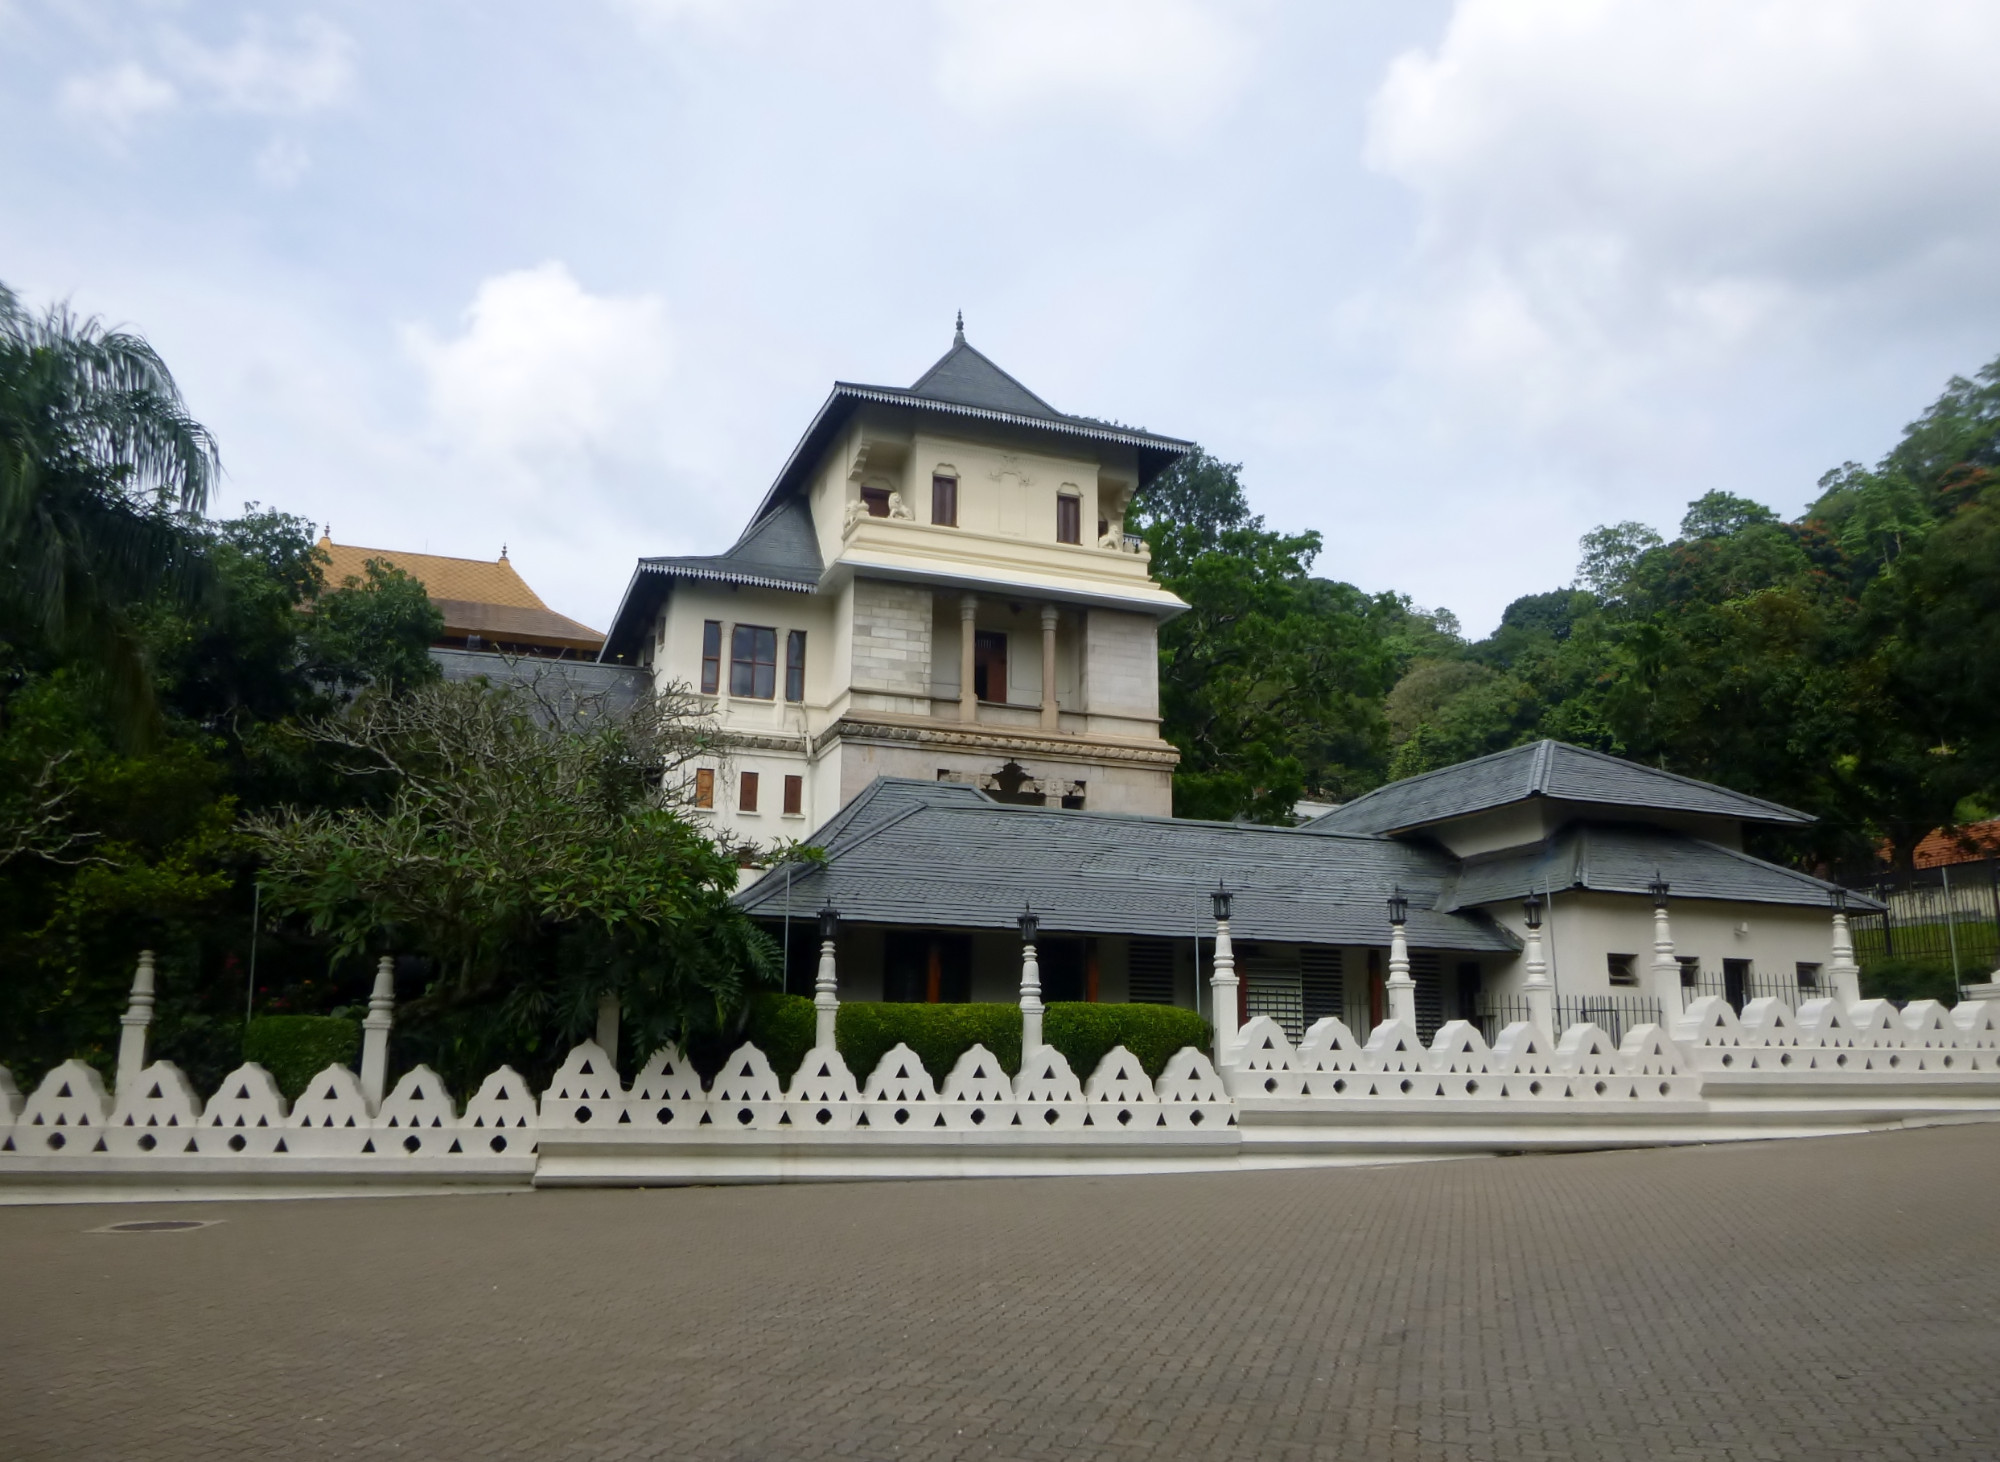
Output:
x,y
1538,989
375,1034
1400,987
1222,981
826,988
1842,970
1666,969
138,1017
1031,987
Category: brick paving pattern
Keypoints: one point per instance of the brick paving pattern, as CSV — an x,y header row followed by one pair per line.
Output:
x,y
1817,1299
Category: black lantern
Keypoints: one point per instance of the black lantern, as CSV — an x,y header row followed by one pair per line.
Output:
x,y
1029,923
1221,898
1658,889
829,922
1532,907
1839,900
1399,907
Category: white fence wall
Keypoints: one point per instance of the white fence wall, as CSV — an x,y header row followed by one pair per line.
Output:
x,y
1332,1097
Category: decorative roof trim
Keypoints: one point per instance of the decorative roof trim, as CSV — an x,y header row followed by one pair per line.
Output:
x,y
670,568
1075,426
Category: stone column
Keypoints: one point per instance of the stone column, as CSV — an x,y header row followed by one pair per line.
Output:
x,y
968,697
1222,984
1031,989
1666,969
136,1020
607,1025
826,985
375,1034
1049,715
1842,971
1538,988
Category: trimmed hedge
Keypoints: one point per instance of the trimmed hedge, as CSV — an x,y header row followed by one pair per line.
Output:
x,y
1909,979
296,1048
939,1034
1085,1032
781,1026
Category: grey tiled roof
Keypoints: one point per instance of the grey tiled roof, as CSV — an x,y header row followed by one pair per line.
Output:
x,y
1622,858
927,854
1552,769
966,377
776,552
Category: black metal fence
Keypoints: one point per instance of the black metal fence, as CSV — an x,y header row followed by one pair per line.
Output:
x,y
1740,986
1613,1014
1947,916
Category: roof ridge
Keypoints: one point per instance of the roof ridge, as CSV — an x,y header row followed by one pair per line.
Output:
x,y
1682,778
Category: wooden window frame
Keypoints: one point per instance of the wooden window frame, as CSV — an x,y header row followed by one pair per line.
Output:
x,y
753,662
982,666
795,795
747,787
711,656
1069,518
944,500
704,787
795,666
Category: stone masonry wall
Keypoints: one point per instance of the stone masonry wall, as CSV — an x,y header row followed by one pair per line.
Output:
x,y
892,642
1122,664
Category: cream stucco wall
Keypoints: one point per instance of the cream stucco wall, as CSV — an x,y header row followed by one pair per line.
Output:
x,y
1581,929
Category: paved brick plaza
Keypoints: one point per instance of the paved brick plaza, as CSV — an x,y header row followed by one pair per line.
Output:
x,y
1832,1298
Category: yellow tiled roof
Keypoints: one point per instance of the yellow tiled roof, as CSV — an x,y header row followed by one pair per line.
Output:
x,y
475,580
475,596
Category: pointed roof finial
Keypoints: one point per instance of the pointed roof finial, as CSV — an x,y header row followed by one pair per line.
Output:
x,y
961,327
503,550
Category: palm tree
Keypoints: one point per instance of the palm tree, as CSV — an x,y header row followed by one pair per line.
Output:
x,y
102,472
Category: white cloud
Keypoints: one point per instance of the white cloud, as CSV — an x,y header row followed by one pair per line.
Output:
x,y
1169,65
117,97
281,162
552,388
1616,193
264,77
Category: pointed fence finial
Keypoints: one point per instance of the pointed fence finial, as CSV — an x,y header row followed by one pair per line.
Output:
x,y
960,330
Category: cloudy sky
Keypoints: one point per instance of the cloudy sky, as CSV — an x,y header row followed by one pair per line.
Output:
x,y
1455,282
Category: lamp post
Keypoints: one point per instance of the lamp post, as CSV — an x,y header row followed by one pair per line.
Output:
x,y
1842,970
826,987
1666,969
1400,988
1031,986
1540,993
1222,982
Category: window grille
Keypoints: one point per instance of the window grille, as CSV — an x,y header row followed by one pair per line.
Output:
x,y
1150,972
1322,982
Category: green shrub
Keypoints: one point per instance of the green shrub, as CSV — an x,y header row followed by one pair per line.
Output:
x,y
1084,1033
939,1034
1909,979
296,1048
782,1027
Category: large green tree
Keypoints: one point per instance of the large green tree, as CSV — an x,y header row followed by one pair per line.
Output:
x,y
101,467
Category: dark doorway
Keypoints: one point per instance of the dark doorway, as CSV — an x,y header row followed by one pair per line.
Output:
x,y
989,665
1378,991
1468,987
1735,982
1063,969
919,966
